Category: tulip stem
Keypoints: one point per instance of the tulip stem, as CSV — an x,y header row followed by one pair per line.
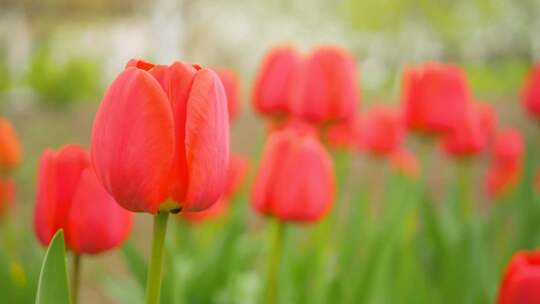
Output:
x,y
75,278
274,261
155,267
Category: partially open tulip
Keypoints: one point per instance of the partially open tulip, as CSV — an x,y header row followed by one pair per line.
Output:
x,y
434,98
472,136
382,130
506,162
521,281
231,84
274,82
530,93
405,162
238,165
10,148
161,137
295,180
71,198
327,88
7,195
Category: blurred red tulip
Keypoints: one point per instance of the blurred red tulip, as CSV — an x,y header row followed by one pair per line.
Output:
x,y
163,132
508,147
295,181
472,136
344,134
238,165
327,87
10,148
382,130
7,195
405,163
273,84
521,281
434,98
537,181
231,84
70,197
506,162
530,93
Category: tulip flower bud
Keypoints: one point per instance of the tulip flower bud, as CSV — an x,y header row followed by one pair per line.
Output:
x,y
344,134
231,84
382,130
70,197
521,280
7,195
295,181
10,148
434,98
506,162
472,136
236,174
162,132
530,93
327,86
274,82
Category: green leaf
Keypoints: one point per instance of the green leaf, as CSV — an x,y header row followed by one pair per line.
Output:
x,y
53,279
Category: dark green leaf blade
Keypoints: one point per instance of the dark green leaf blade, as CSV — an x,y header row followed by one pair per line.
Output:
x,y
53,279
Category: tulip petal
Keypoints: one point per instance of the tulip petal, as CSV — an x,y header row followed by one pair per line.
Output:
x,y
96,222
269,170
207,141
133,141
305,190
177,80
59,174
46,196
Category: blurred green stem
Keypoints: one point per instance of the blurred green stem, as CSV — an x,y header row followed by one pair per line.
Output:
x,y
155,267
75,278
464,191
274,261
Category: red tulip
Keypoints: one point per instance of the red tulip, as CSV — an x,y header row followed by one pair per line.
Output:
x,y
295,181
530,93
327,87
10,148
434,98
472,136
162,132
508,147
231,84
521,280
382,130
71,198
7,195
506,162
344,134
236,174
406,163
273,84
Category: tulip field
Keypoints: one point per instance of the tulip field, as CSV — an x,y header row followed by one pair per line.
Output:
x,y
196,180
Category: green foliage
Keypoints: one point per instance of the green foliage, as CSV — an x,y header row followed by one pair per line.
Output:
x,y
61,83
499,78
53,280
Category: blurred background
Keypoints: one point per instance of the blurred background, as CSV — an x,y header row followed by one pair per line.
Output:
x,y
58,56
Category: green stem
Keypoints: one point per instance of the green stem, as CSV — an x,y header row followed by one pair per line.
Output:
x,y
274,262
75,278
465,207
153,283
